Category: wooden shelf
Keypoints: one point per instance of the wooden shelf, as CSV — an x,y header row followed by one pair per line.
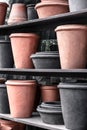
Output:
x,y
75,73
35,120
51,22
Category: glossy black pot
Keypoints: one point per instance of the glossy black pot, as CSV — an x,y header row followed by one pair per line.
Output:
x,y
50,113
74,105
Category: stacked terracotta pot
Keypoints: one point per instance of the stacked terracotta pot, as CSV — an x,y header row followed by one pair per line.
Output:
x,y
48,8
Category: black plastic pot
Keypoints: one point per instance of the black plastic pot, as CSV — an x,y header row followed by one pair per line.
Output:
x,y
46,60
4,104
31,12
74,105
77,5
6,57
50,113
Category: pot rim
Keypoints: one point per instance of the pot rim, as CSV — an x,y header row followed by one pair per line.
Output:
x,y
30,5
18,4
50,4
43,56
14,83
71,27
4,3
72,86
24,35
49,87
4,42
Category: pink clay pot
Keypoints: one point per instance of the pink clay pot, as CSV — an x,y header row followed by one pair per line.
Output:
x,y
46,9
21,97
23,45
20,14
72,43
49,93
3,10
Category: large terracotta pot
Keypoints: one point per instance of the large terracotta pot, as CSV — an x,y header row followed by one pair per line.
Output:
x,y
46,9
72,43
20,14
21,97
49,93
3,10
23,45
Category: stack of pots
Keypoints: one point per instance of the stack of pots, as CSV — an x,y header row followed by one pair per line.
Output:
x,y
48,8
72,44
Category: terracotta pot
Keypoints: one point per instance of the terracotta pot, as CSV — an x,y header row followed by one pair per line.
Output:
x,y
3,10
26,44
10,125
45,9
49,93
21,97
20,14
72,43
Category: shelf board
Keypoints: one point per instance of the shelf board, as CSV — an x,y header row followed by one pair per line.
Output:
x,y
75,73
35,120
52,22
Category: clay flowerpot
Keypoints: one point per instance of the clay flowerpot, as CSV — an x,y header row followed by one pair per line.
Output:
x,y
77,5
31,12
74,107
4,104
3,10
49,93
72,43
46,9
10,125
6,57
21,97
50,113
20,14
26,44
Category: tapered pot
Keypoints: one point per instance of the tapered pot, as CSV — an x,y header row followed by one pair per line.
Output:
x,y
3,11
46,9
49,93
73,101
77,5
26,44
20,14
6,56
21,97
4,104
32,13
72,44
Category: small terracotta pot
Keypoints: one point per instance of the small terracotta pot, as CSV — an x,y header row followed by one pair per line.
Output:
x,y
72,44
3,10
10,125
46,9
49,93
21,97
23,45
20,14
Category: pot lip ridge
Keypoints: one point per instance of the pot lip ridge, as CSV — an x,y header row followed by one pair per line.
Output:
x,y
71,27
49,87
76,86
4,3
49,4
24,35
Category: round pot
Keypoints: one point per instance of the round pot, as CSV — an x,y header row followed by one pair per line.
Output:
x,y
6,57
21,97
3,10
20,14
46,60
77,5
72,48
31,12
50,114
49,93
74,107
4,104
18,40
46,9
